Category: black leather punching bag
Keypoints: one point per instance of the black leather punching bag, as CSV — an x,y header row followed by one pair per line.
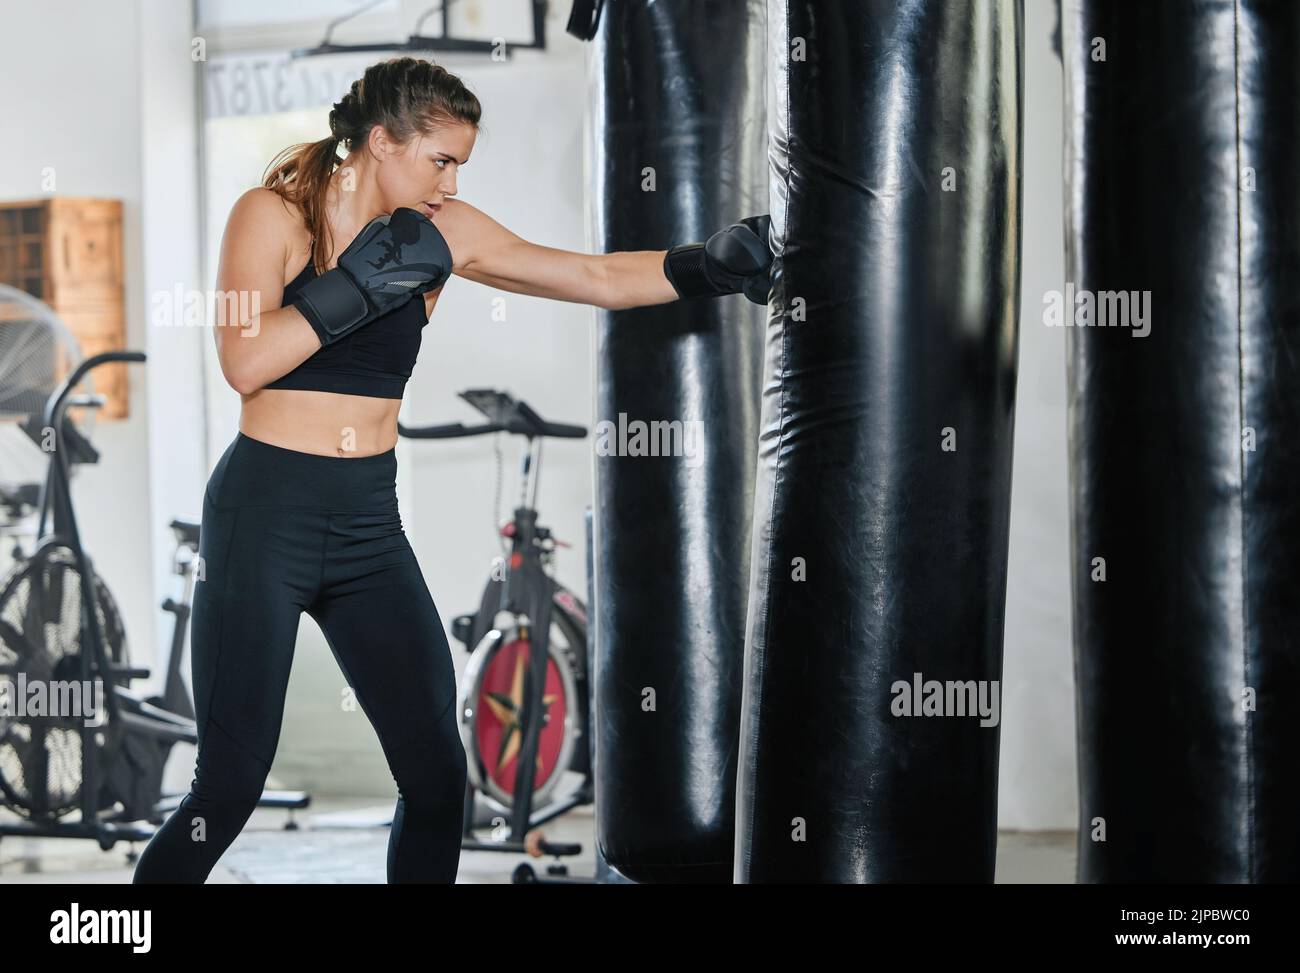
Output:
x,y
677,143
884,480
1183,147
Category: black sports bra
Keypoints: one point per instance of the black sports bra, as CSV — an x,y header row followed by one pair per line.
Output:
x,y
376,359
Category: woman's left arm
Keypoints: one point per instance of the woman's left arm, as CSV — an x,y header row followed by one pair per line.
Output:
x,y
486,252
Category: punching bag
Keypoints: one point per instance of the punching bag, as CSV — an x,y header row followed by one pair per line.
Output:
x,y
869,731
677,140
1183,252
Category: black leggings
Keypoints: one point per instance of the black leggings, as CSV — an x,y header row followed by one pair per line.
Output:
x,y
286,532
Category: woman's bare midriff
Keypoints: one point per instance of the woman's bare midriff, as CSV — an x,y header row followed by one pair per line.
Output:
x,y
325,423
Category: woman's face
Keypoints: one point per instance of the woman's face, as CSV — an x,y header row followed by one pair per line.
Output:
x,y
422,173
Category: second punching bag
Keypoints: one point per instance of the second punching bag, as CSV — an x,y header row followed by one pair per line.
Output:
x,y
1184,249
869,732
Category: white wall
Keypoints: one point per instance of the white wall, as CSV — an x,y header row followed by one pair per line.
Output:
x,y
171,259
70,83
1037,786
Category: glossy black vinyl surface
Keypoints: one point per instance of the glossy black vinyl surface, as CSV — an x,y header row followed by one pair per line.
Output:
x,y
677,141
1182,150
895,172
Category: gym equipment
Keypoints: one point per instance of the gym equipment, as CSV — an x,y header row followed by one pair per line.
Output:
x,y
735,260
527,647
584,19
675,91
442,42
53,630
58,628
884,483
1182,142
36,351
394,259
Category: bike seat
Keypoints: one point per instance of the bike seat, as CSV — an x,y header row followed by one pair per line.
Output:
x,y
187,531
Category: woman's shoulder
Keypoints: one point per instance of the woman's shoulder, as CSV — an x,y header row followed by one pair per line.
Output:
x,y
268,206
263,214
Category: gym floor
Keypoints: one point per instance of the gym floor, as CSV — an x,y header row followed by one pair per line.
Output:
x,y
318,853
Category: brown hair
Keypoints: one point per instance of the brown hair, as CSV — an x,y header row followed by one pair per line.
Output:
x,y
406,95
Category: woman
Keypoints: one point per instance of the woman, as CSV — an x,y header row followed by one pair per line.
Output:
x,y
300,513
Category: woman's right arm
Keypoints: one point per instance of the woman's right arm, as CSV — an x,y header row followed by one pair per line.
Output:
x,y
257,339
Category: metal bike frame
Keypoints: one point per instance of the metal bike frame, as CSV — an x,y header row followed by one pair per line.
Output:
x,y
56,509
526,592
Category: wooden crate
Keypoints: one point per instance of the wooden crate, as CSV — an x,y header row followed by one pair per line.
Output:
x,y
67,252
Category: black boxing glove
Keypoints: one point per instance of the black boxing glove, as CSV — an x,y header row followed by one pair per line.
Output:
x,y
733,261
392,259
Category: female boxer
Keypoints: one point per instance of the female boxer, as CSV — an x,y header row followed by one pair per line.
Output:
x,y
300,514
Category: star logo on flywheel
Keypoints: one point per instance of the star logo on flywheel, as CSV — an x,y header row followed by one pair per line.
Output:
x,y
509,710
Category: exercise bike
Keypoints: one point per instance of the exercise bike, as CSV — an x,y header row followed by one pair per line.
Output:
x,y
56,634
60,630
524,694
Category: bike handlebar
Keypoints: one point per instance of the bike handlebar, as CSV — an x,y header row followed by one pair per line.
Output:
x,y
458,430
55,402
505,414
454,430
